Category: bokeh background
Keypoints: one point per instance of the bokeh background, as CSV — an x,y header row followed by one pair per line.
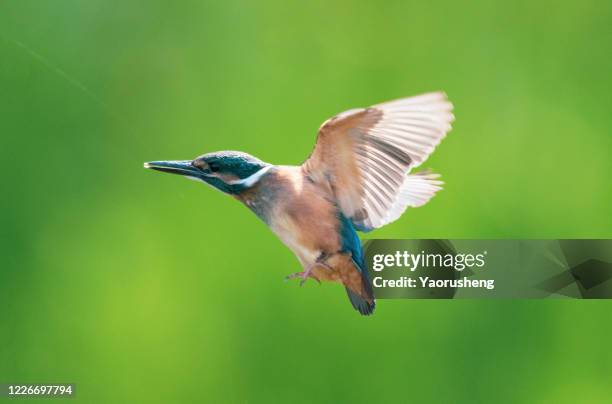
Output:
x,y
144,287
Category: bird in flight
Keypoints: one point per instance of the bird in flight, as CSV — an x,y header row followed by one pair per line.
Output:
x,y
358,178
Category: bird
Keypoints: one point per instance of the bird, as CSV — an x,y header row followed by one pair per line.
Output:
x,y
359,177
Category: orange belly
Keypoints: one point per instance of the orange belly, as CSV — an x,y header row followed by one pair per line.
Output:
x,y
305,219
303,215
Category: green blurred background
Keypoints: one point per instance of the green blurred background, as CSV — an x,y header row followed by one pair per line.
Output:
x,y
143,287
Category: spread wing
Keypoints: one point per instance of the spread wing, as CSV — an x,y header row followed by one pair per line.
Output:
x,y
365,156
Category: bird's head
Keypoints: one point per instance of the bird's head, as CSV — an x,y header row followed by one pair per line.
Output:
x,y
228,171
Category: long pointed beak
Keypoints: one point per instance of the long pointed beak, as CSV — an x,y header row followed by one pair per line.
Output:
x,y
175,167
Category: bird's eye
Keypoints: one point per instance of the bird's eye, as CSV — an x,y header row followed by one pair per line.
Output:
x,y
214,167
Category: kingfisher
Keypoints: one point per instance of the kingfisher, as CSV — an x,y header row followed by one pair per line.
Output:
x,y
359,177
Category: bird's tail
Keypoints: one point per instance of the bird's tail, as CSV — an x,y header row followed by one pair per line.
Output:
x,y
355,279
363,306
360,293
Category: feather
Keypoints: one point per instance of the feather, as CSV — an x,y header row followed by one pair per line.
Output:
x,y
365,154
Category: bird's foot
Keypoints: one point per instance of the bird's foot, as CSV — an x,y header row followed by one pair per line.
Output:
x,y
307,273
303,275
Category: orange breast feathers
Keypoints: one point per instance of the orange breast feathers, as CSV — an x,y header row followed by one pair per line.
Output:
x,y
304,216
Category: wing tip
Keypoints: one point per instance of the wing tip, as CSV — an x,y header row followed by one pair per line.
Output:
x,y
419,188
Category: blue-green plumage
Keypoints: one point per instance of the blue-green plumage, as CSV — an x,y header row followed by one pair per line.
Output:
x,y
352,244
230,172
241,165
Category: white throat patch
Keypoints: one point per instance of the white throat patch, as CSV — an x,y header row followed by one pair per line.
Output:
x,y
251,179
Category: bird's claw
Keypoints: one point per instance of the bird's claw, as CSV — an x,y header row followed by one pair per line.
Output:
x,y
308,272
304,275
